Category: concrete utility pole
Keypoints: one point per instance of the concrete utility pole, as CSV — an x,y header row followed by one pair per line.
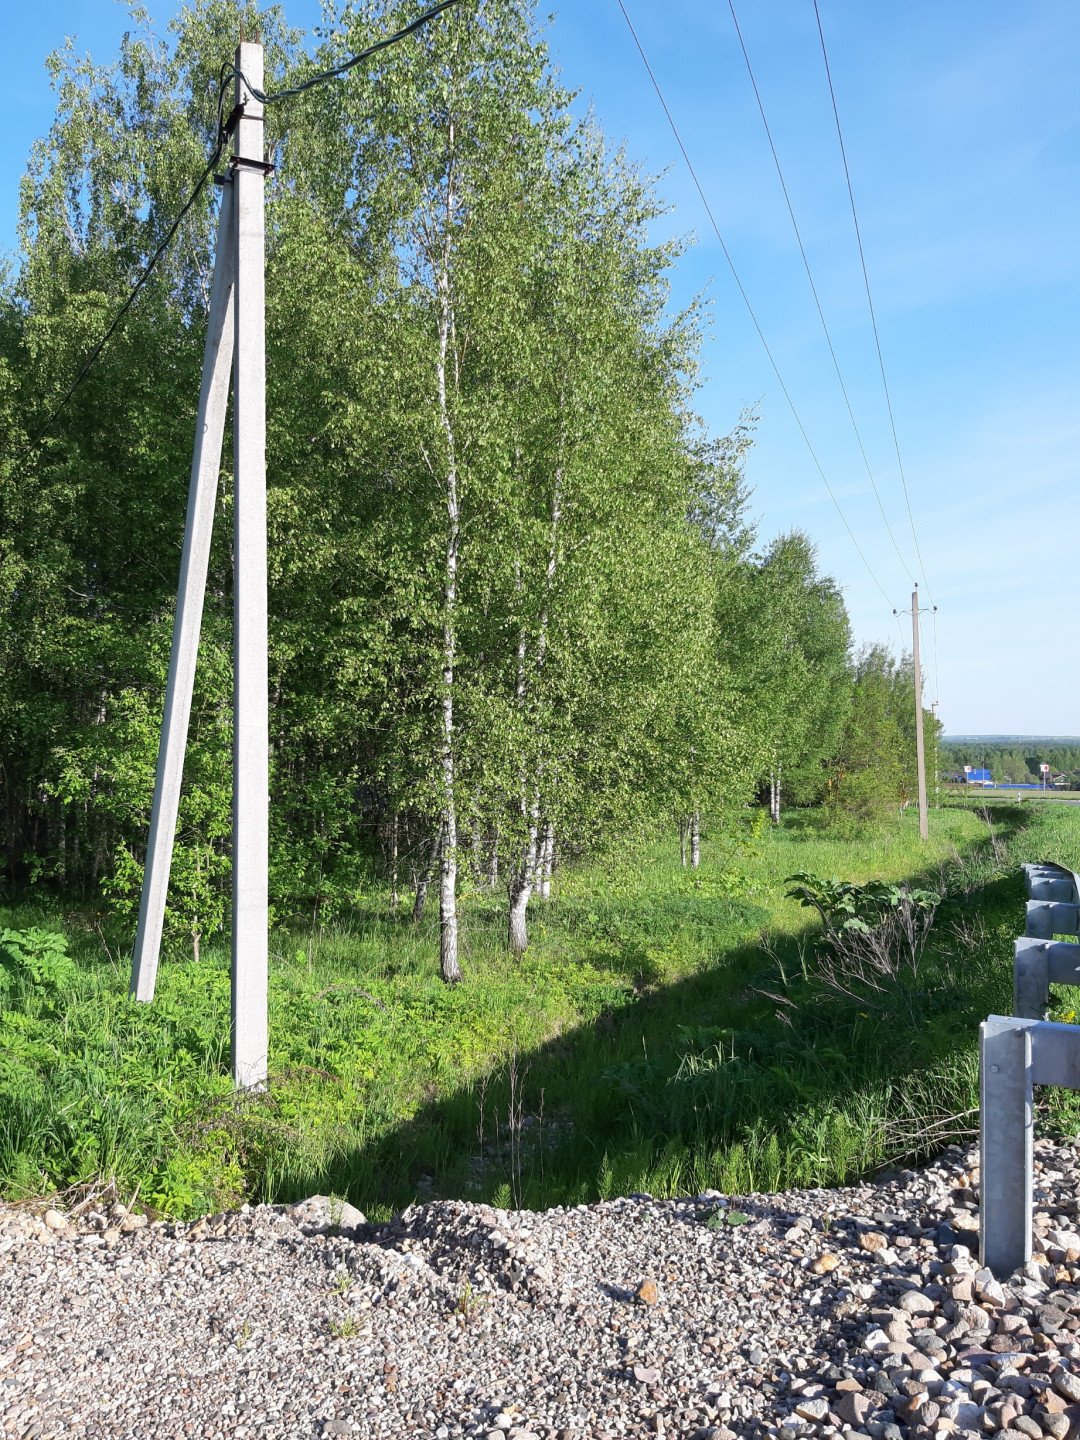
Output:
x,y
251,768
194,562
920,748
236,337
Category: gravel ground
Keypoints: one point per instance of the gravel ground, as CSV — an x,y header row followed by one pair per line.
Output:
x,y
859,1311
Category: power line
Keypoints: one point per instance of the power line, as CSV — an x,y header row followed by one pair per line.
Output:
x,y
869,297
126,306
746,301
227,73
814,290
900,631
349,64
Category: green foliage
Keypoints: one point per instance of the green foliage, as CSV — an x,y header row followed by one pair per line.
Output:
x,y
722,1219
645,1043
468,1304
515,592
35,957
1015,761
846,906
873,941
873,770
513,580
784,634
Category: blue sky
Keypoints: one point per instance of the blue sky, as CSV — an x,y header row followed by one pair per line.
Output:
x,y
962,127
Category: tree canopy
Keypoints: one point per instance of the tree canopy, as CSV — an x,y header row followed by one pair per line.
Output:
x,y
517,604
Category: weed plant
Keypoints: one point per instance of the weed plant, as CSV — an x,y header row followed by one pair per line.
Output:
x,y
668,1031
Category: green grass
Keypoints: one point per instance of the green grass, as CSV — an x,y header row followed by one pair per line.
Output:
x,y
666,1032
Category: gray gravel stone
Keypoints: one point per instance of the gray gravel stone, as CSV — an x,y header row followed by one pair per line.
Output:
x,y
1067,1385
460,1322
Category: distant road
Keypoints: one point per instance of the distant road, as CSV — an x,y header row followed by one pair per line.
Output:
x,y
1059,797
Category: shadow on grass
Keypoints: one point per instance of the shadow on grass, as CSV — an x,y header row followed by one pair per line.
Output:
x,y
744,1076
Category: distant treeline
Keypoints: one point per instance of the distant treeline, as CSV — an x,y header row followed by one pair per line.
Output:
x,y
1009,762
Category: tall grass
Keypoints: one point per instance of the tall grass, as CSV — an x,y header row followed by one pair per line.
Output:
x,y
639,1045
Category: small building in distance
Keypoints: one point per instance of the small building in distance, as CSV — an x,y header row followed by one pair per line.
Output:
x,y
975,776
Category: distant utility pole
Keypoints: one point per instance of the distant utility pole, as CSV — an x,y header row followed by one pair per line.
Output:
x,y
235,338
920,748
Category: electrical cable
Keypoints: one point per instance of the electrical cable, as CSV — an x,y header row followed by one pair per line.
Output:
x,y
746,301
869,297
267,99
147,272
900,631
227,73
814,291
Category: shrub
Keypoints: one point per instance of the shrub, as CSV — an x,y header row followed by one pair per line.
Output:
x,y
35,957
873,936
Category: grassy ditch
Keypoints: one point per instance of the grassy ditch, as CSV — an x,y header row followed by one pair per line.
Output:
x,y
668,1031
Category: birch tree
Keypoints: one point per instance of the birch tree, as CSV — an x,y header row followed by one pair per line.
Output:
x,y
514,610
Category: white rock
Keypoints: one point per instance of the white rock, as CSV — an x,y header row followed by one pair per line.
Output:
x,y
964,1414
914,1302
322,1213
815,1409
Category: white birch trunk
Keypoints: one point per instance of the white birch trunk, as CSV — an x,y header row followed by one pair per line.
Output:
x,y
547,860
774,796
530,874
695,840
520,893
448,919
520,888
518,934
448,860
395,898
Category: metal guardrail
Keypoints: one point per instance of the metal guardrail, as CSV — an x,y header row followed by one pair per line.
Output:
x,y
1047,918
1052,909
1038,964
1047,881
1018,1052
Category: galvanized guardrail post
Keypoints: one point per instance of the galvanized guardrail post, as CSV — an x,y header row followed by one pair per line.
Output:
x,y
1015,1055
1005,1144
1018,1052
